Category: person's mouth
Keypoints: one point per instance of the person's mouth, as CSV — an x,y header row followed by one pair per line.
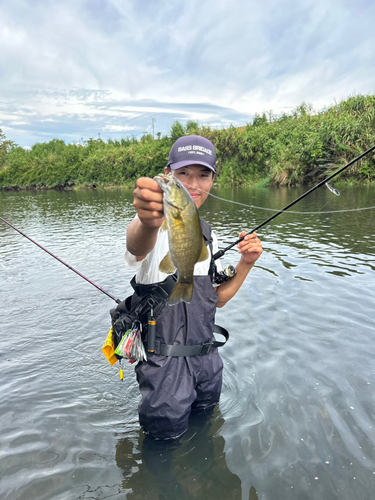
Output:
x,y
195,195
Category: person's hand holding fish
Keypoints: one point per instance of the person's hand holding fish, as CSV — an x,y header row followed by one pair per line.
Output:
x,y
250,248
148,201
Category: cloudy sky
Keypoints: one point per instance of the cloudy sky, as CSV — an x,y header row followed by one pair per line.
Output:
x,y
74,69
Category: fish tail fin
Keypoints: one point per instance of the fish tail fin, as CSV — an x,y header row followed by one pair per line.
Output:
x,y
181,292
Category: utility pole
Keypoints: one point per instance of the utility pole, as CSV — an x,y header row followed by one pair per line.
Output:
x,y
153,128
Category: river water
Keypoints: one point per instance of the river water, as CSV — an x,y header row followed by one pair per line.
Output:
x,y
297,413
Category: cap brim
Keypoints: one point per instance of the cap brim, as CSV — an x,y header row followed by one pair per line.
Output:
x,y
186,163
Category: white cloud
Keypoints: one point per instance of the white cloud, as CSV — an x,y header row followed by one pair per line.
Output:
x,y
118,128
89,65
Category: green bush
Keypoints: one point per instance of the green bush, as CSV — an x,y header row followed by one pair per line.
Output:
x,y
301,147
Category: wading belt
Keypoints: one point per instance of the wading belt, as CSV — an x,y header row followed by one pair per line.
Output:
x,y
190,350
160,293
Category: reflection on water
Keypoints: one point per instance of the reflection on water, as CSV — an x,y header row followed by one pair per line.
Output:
x,y
297,413
191,467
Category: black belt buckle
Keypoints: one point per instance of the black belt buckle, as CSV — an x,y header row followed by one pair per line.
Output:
x,y
163,294
206,348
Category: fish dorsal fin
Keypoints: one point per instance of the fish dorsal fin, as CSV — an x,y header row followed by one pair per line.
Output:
x,y
164,225
204,252
166,265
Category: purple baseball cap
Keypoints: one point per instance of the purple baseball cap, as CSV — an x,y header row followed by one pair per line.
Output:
x,y
192,150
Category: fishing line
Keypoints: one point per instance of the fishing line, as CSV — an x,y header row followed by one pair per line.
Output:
x,y
277,210
62,262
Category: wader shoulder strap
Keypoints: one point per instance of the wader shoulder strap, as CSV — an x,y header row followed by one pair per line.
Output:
x,y
206,230
207,235
158,291
191,350
136,307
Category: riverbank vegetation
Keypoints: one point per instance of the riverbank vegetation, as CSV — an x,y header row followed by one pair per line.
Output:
x,y
301,147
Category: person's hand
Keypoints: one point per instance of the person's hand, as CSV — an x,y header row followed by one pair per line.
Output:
x,y
148,201
250,247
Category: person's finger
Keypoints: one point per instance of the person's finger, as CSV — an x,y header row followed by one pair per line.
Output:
x,y
250,247
253,241
245,236
249,240
148,195
149,214
149,184
148,205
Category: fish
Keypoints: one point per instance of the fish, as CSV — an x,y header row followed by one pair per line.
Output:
x,y
185,238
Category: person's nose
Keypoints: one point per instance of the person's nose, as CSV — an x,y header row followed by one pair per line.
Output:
x,y
193,182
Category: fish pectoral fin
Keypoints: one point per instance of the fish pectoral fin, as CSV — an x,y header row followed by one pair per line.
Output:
x,y
164,225
204,252
166,265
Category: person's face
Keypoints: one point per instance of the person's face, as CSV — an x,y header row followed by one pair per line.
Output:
x,y
195,178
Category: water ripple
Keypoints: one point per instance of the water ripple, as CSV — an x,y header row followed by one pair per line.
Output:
x,y
297,414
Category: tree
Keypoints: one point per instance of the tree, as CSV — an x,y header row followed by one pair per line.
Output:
x,y
177,131
5,146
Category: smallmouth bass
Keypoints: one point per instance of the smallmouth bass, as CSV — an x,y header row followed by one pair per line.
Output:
x,y
186,243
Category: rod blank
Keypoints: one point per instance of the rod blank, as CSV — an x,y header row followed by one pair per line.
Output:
x,y
62,262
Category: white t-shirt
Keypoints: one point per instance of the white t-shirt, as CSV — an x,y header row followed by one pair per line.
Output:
x,y
148,268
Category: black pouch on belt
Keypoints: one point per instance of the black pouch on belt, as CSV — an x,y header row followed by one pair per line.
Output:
x,y
137,307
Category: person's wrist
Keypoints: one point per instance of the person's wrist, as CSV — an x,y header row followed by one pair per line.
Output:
x,y
150,225
244,262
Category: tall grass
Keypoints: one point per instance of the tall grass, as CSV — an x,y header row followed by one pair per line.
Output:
x,y
297,148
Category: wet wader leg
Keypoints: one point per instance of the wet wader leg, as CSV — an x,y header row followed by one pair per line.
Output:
x,y
208,381
167,390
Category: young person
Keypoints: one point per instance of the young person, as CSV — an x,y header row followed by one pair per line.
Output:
x,y
173,386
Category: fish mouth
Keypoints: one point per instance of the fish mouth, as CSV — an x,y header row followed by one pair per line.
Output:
x,y
162,179
164,182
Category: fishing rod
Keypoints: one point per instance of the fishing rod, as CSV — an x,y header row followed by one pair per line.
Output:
x,y
62,262
220,253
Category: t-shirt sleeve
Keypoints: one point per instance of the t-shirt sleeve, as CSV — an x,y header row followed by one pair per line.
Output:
x,y
147,270
131,261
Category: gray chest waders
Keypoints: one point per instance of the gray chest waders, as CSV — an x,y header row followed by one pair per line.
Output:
x,y
184,373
